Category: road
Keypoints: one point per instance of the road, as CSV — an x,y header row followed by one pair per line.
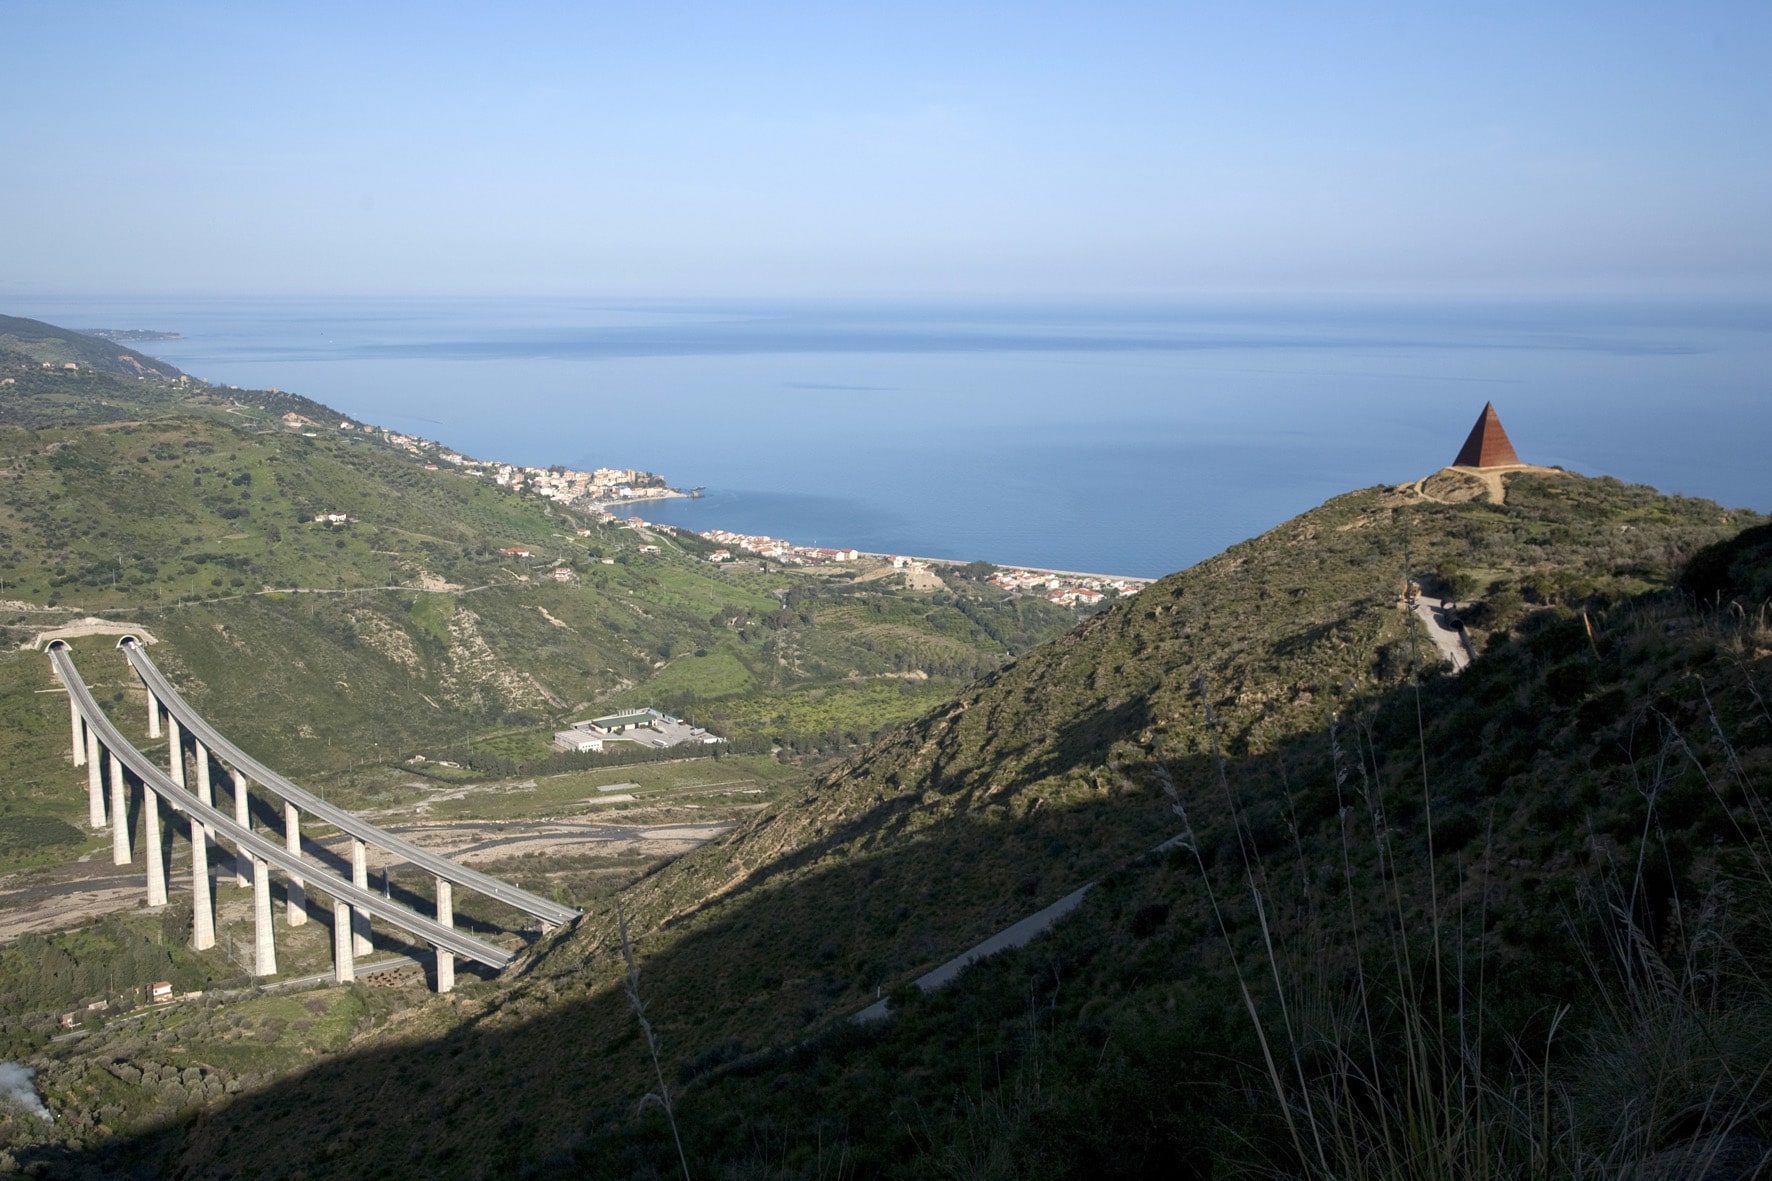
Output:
x,y
1453,645
549,911
445,938
1014,935
325,977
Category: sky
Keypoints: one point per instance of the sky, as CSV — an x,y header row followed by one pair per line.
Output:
x,y
683,149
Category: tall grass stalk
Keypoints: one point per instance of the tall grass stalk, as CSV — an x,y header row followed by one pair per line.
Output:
x,y
632,987
1679,1050
1437,1107
1190,843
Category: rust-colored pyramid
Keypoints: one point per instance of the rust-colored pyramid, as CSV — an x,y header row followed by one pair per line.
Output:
x,y
1488,445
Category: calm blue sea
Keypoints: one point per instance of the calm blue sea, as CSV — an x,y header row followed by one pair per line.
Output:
x,y
1129,438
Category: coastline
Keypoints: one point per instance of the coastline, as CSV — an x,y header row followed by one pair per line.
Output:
x,y
881,555
1138,578
609,506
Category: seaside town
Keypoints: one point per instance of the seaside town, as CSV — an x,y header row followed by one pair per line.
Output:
x,y
1079,590
597,491
577,489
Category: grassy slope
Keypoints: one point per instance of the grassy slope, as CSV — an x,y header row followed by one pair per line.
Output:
x,y
42,343
1572,786
1036,779
189,511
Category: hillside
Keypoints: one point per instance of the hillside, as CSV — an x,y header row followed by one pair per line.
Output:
x,y
190,511
57,347
51,376
1118,1045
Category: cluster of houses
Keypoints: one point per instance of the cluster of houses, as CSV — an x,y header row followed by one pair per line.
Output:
x,y
772,547
1069,591
643,727
603,486
1065,591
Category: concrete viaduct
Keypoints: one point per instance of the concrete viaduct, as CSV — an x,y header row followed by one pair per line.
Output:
x,y
94,737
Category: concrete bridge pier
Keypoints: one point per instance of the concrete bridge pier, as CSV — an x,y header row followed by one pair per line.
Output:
x,y
175,752
95,791
446,916
202,910
344,968
360,878
153,715
119,814
243,819
156,849
298,894
205,791
265,961
79,726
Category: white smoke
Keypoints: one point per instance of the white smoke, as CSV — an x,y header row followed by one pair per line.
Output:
x,y
15,1084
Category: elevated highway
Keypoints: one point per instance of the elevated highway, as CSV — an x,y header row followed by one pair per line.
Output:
x,y
95,736
548,911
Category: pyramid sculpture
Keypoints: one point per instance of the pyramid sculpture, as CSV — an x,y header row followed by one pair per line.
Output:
x,y
1488,445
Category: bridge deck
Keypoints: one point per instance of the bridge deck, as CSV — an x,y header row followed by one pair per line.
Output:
x,y
315,876
544,909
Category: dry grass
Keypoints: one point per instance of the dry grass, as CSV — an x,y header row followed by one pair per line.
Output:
x,y
1401,1072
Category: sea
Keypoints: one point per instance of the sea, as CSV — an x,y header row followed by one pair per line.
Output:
x,y
1131,437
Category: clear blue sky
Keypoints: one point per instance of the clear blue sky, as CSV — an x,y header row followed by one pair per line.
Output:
x,y
948,148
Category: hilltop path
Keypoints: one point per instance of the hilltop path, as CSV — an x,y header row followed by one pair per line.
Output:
x,y
1452,644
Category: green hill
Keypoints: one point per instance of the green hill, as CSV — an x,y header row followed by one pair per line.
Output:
x,y
58,347
1410,884
338,650
52,376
